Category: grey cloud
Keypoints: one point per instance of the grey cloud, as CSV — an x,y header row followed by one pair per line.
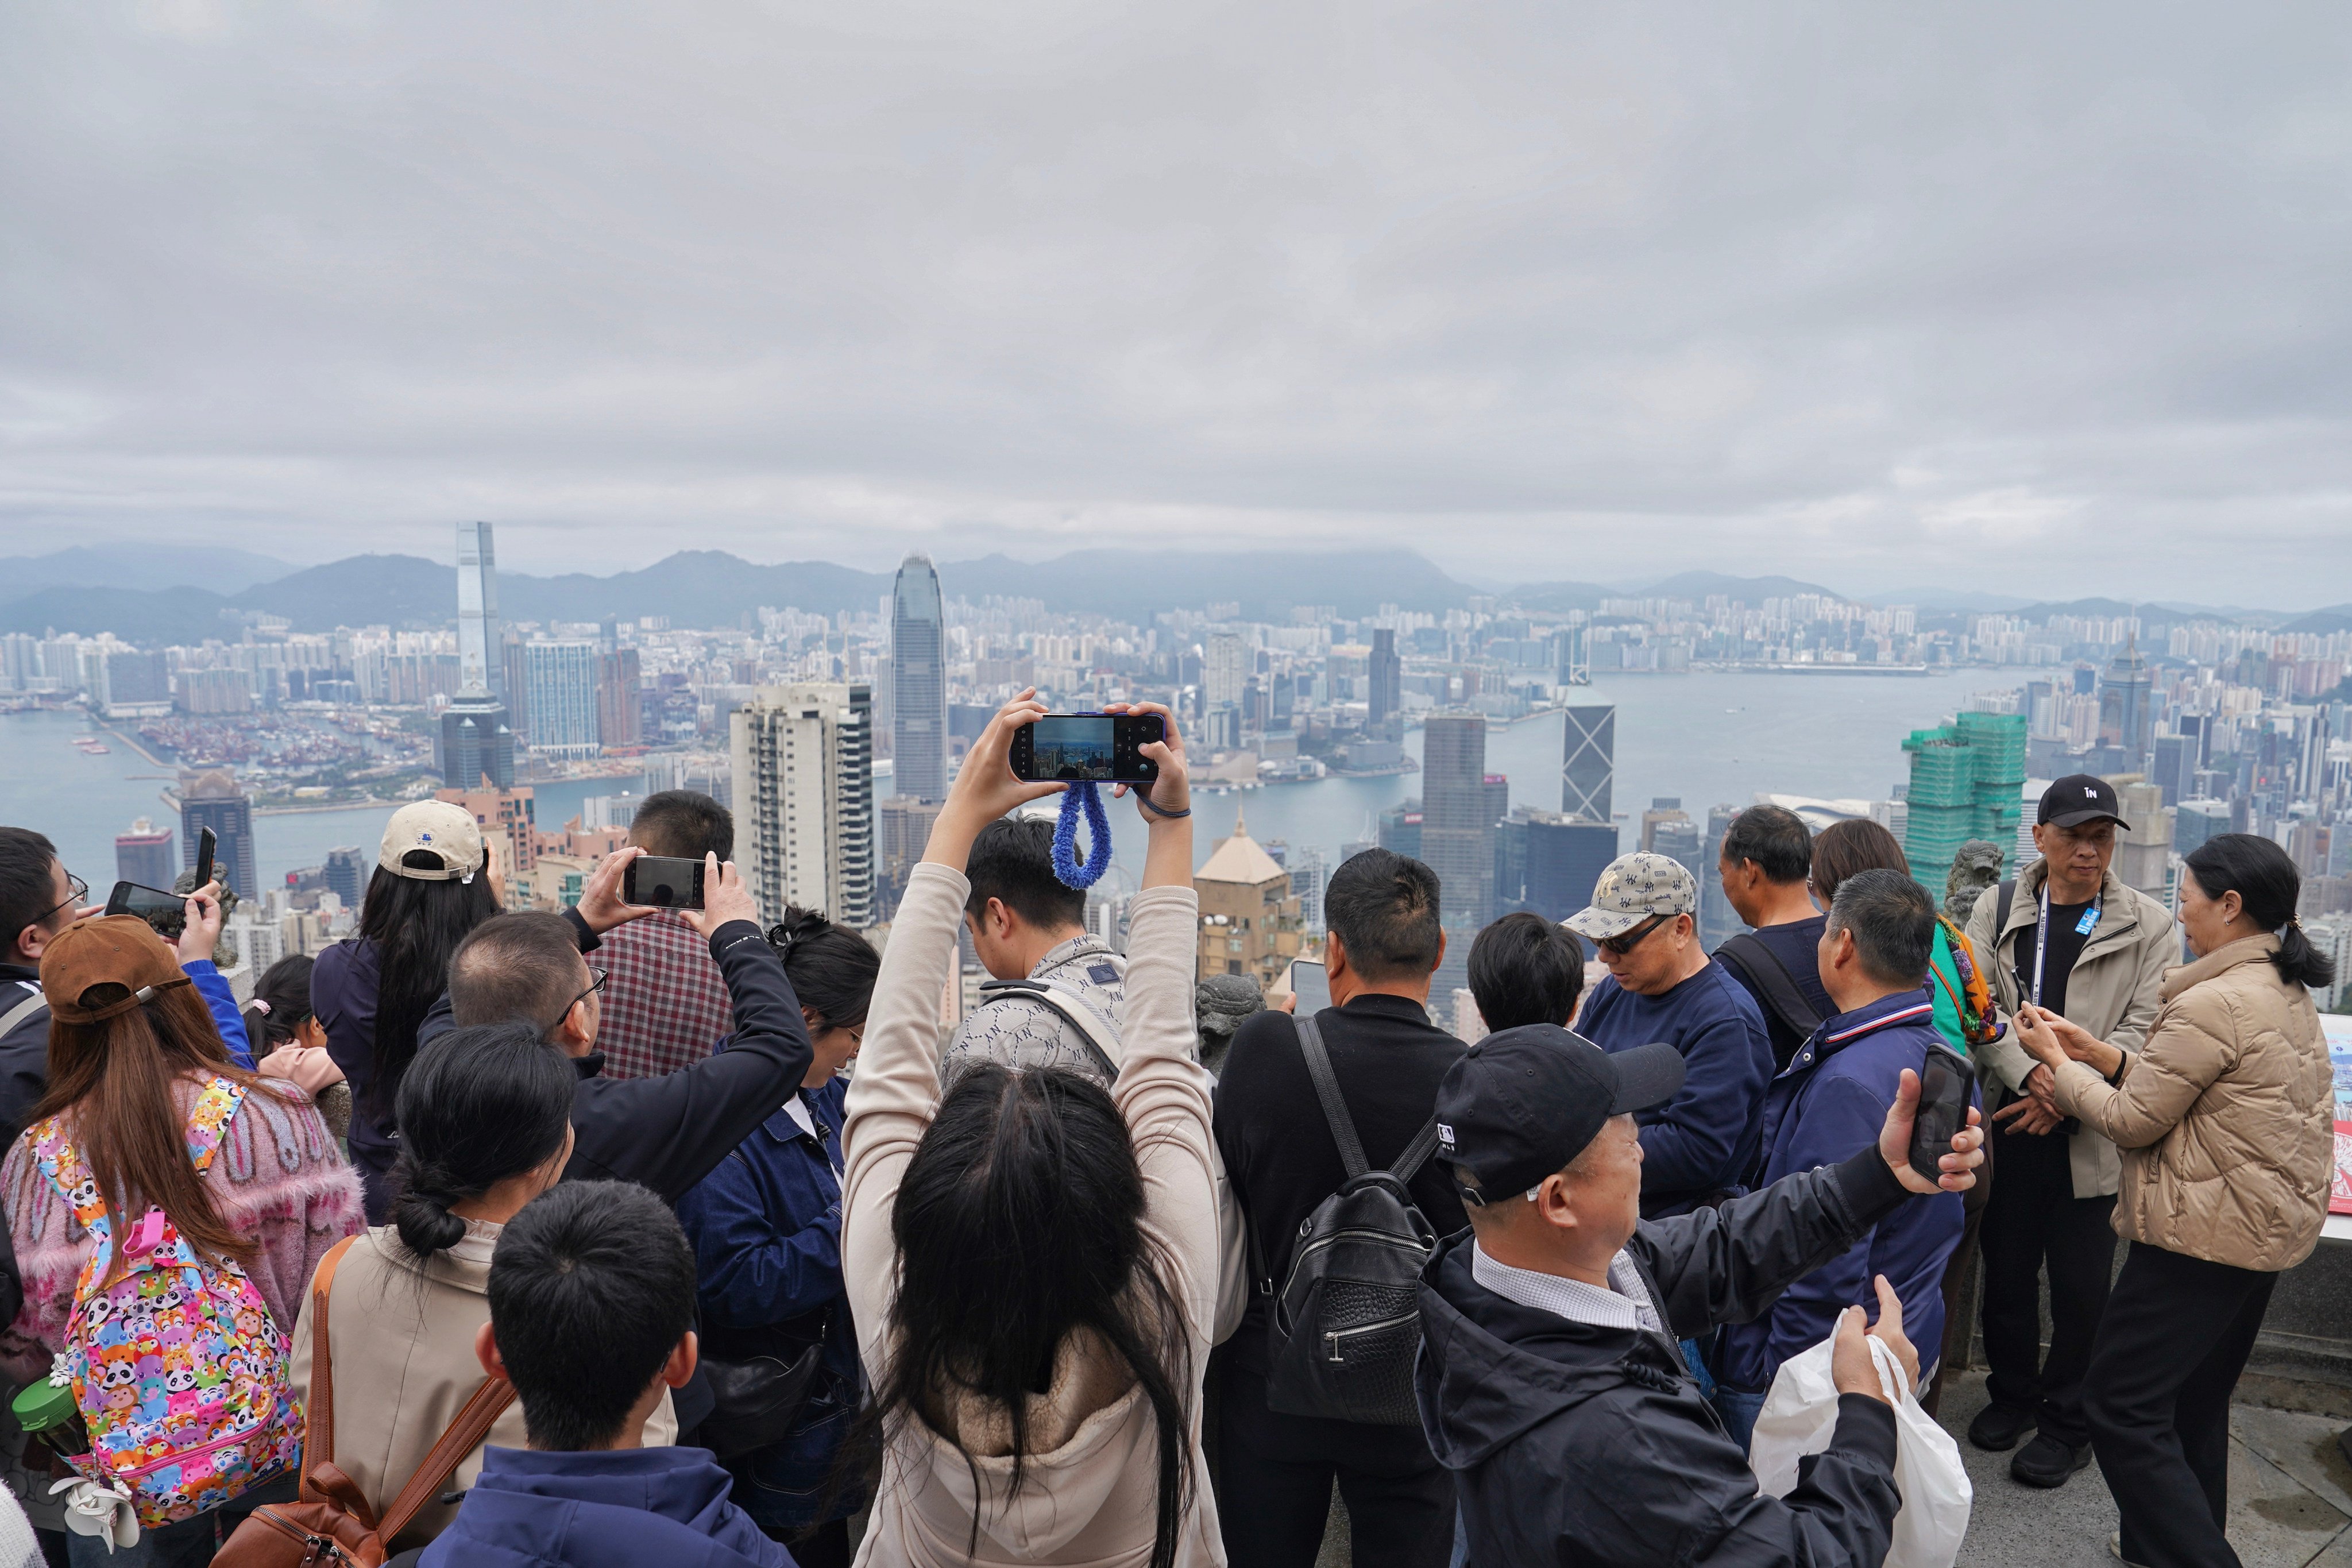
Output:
x,y
2010,296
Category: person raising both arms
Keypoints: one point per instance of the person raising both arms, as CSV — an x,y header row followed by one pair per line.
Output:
x,y
1047,1413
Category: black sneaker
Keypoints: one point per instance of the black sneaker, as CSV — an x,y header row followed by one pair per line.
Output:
x,y
1998,1426
2047,1462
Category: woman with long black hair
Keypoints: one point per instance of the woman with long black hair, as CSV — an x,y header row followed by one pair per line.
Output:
x,y
1033,1259
2226,1120
766,1229
431,885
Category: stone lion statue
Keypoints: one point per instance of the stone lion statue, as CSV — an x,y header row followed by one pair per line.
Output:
x,y
1976,867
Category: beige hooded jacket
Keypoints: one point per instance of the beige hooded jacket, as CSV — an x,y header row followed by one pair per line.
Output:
x,y
2226,1117
1088,1493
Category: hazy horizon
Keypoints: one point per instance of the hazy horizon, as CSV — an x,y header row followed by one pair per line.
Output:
x,y
2038,303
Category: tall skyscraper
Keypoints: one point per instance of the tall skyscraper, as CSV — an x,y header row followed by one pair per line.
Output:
x,y
805,817
349,869
211,799
476,742
1967,781
617,709
2127,705
143,855
1457,833
479,666
562,697
1223,680
918,683
1589,762
1553,861
1386,698
1400,829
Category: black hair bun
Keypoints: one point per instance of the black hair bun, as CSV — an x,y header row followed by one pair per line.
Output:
x,y
799,925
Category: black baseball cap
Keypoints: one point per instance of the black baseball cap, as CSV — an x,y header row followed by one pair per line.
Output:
x,y
2078,798
1523,1103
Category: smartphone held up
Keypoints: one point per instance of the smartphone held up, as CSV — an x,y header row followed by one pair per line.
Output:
x,y
1946,1083
1095,748
663,882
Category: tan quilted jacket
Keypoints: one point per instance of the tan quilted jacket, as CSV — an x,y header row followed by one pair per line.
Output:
x,y
2225,1116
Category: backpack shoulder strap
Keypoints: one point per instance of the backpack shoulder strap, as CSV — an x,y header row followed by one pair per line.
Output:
x,y
1091,1034
1754,957
465,1435
22,1011
319,1441
2001,906
1417,1153
1327,1089
216,1105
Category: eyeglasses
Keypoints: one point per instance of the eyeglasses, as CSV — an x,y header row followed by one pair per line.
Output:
x,y
596,983
1620,945
80,896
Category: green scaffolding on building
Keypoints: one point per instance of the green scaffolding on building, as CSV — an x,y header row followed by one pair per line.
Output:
x,y
1967,781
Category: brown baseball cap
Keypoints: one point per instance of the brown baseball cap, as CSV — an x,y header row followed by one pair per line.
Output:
x,y
106,950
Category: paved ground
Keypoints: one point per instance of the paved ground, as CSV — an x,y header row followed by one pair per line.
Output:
x,y
2290,1499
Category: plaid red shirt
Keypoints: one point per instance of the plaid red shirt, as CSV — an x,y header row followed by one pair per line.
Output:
x,y
666,1005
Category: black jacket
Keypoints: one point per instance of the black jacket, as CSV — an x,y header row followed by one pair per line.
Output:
x,y
1576,1445
24,1049
1388,1058
666,1133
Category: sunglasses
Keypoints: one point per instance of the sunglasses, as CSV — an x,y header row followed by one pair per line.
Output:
x,y
1618,946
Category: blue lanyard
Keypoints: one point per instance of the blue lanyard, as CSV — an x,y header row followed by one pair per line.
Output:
x,y
2083,927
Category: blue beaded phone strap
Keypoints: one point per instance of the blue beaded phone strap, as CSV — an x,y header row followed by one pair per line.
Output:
x,y
1081,795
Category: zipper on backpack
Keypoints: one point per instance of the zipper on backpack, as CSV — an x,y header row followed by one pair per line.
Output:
x,y
1332,1338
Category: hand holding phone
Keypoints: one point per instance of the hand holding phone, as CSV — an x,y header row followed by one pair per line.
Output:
x,y
207,846
1096,748
1946,1081
1311,983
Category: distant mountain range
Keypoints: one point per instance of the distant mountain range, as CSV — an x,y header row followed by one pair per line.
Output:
x,y
180,594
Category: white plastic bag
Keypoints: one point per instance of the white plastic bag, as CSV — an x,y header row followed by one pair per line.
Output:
x,y
1799,1417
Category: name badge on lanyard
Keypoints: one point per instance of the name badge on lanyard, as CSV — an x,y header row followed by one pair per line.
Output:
x,y
2083,927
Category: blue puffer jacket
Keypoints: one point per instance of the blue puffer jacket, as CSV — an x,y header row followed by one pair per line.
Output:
x,y
766,1229
1830,1105
621,1508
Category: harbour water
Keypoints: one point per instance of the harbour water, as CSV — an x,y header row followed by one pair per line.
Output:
x,y
1707,738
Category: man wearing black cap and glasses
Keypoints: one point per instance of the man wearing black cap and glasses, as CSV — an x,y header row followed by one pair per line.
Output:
x,y
1550,1382
2067,935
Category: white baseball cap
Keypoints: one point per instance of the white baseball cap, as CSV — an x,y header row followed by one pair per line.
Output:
x,y
441,830
1633,889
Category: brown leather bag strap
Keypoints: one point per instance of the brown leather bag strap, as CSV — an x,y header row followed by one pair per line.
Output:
x,y
318,1429
465,1435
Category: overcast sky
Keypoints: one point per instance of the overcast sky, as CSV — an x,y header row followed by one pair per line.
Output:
x,y
2048,298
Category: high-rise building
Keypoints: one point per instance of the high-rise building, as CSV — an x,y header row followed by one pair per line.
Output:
x,y
514,658
480,664
474,746
1386,698
1548,862
805,817
211,799
1307,875
1226,671
1663,809
1967,781
903,828
2165,770
1684,842
349,869
143,856
562,697
131,684
1719,922
1400,829
617,709
1589,762
918,683
1249,917
2127,705
1457,833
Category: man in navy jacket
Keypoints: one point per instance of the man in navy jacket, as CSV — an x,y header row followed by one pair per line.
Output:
x,y
1831,1102
592,1312
1700,1145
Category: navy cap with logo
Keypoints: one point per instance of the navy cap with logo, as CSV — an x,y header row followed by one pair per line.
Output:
x,y
1523,1102
2078,798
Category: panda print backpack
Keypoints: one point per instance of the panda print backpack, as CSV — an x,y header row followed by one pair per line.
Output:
x,y
178,1371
